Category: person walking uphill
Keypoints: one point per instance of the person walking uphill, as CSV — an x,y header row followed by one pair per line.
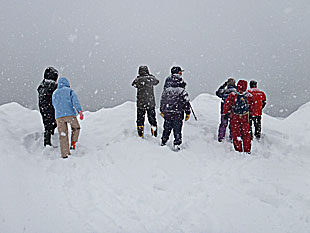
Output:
x,y
239,104
174,102
45,91
145,83
223,92
259,102
66,106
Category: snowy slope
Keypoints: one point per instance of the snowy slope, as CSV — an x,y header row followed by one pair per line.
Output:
x,y
117,182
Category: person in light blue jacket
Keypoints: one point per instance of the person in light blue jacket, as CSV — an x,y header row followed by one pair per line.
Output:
x,y
67,105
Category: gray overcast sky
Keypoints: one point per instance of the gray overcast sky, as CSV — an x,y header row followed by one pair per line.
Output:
x,y
99,45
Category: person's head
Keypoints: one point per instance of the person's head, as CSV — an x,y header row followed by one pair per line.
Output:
x,y
143,71
176,70
253,84
231,82
51,73
63,82
242,86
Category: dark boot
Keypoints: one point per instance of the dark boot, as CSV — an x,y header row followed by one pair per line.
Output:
x,y
140,131
47,139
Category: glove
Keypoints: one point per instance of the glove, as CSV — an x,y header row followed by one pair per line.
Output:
x,y
162,115
187,117
225,84
226,116
81,115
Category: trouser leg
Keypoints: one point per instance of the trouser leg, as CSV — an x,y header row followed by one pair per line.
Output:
x,y
236,134
177,131
258,127
246,138
250,125
140,116
63,136
222,128
75,129
167,130
151,116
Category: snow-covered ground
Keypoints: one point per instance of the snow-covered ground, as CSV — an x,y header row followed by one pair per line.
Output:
x,y
117,182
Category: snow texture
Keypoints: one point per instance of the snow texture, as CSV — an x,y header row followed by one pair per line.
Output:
x,y
117,182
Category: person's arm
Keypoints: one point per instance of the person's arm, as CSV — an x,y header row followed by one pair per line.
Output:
x,y
221,90
153,80
228,104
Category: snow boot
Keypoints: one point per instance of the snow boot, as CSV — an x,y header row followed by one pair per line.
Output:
x,y
73,145
154,131
176,147
47,139
140,131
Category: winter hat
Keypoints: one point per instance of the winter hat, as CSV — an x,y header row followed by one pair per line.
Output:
x,y
143,71
231,82
176,70
242,86
253,84
51,73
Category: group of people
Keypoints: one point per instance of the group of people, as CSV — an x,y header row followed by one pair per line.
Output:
x,y
241,108
59,106
174,104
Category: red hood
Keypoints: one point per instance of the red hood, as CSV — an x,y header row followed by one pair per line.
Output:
x,y
242,86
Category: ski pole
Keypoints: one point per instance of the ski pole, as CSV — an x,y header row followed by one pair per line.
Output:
x,y
193,112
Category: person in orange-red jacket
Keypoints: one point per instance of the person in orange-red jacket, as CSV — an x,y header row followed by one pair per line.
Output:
x,y
259,102
239,104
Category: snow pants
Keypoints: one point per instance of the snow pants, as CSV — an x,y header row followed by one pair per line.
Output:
x,y
240,129
62,124
176,126
49,122
257,120
222,128
151,115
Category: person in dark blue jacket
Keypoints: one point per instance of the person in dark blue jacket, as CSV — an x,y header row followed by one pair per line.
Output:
x,y
67,105
174,103
223,92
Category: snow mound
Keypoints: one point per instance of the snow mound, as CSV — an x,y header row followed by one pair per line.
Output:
x,y
117,182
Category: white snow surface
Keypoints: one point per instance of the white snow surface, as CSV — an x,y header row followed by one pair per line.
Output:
x,y
118,182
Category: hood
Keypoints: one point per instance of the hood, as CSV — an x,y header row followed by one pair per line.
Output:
x,y
63,82
242,86
51,74
143,71
175,80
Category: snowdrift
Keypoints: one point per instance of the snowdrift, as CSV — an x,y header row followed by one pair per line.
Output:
x,y
117,182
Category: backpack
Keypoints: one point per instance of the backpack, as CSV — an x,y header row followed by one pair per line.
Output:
x,y
241,106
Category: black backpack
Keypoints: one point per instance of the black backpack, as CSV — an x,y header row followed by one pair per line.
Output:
x,y
241,106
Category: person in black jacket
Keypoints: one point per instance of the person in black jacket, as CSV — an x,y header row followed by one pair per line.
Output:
x,y
45,91
173,104
145,83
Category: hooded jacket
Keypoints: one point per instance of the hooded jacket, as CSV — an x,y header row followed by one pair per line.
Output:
x,y
223,92
174,100
145,83
231,99
259,101
65,101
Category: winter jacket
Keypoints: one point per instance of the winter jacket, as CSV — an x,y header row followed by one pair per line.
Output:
x,y
65,101
174,100
223,92
259,102
231,99
45,91
145,90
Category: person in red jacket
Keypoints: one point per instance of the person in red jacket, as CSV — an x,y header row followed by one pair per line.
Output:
x,y
259,102
239,104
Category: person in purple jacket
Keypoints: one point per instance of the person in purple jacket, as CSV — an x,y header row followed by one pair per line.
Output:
x,y
223,92
67,105
174,103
